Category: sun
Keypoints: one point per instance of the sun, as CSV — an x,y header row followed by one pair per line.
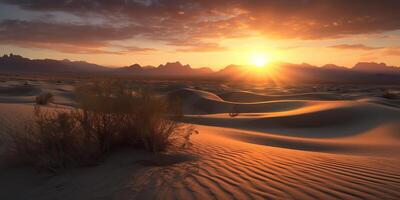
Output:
x,y
259,59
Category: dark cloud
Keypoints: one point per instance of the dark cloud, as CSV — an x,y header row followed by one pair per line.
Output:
x,y
133,49
203,47
194,21
355,47
68,38
38,31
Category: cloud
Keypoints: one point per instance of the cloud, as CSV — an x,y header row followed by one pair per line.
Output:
x,y
381,51
316,19
290,47
80,49
392,51
68,38
355,47
74,34
132,49
203,47
196,21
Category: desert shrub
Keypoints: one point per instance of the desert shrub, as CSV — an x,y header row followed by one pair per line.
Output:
x,y
110,115
44,98
54,140
234,111
119,115
156,124
107,111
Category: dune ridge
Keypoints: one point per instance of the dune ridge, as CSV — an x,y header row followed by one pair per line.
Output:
x,y
250,97
341,126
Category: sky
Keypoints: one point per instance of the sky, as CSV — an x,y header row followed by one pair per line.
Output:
x,y
203,33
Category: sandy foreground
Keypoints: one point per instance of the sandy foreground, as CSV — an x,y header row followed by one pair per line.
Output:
x,y
295,147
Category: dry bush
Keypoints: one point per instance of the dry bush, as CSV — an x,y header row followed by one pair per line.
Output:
x,y
157,125
54,140
119,115
107,111
234,112
110,115
44,99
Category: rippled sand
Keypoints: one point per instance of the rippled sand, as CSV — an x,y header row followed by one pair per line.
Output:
x,y
291,147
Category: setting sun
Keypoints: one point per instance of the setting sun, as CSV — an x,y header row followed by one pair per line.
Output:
x,y
259,60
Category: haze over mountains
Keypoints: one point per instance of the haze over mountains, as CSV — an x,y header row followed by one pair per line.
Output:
x,y
361,72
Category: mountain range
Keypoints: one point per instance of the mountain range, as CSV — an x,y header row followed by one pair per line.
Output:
x,y
19,64
169,69
365,72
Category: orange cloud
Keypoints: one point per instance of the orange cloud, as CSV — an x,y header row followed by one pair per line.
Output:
x,y
355,47
392,51
206,47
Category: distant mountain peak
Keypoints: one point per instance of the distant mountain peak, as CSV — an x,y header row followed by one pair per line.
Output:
x,y
12,56
369,65
174,65
66,60
334,67
307,65
135,66
373,67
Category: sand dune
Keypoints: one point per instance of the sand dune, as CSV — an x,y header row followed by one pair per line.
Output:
x,y
382,101
230,169
281,149
222,164
201,102
17,92
349,127
344,115
249,97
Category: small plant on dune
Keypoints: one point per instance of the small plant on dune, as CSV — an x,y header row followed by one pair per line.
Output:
x,y
44,99
234,112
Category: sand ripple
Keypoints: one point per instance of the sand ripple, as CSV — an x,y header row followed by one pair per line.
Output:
x,y
230,169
